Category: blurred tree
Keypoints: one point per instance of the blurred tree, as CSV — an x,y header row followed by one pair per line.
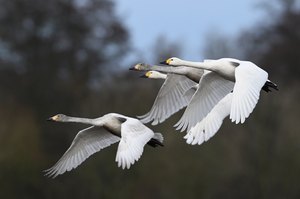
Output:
x,y
56,46
275,45
52,55
217,45
164,49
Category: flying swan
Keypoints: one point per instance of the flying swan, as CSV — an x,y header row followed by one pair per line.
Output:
x,y
130,132
249,80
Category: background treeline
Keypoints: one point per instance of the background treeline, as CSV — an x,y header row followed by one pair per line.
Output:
x,y
64,56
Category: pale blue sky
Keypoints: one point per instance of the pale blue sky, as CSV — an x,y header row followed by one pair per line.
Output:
x,y
187,21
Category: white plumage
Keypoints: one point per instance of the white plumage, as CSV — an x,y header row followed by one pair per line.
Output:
x,y
212,88
171,97
249,79
208,127
134,136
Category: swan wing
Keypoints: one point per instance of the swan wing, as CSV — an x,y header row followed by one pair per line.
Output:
x,y
170,99
212,88
208,127
134,136
249,81
87,142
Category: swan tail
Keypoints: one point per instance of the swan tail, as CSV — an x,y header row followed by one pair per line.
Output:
x,y
268,85
157,140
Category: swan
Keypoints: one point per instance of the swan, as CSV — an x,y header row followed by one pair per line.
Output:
x,y
174,94
208,127
248,77
130,132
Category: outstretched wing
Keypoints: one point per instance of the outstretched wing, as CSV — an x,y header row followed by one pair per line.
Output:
x,y
87,142
249,79
134,136
212,88
208,127
170,99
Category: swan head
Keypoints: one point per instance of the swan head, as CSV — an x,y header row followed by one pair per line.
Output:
x,y
154,75
141,66
58,118
173,61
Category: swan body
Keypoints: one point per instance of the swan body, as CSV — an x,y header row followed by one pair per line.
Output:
x,y
175,93
130,132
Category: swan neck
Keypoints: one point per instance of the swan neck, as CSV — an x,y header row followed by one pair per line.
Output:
x,y
202,65
165,69
159,68
162,76
80,120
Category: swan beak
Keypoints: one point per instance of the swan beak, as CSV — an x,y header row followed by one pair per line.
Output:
x,y
136,67
52,119
166,62
144,76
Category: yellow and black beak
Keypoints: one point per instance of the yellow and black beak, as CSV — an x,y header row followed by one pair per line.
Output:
x,y
53,119
166,62
136,67
146,75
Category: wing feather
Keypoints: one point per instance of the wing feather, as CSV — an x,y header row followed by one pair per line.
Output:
x,y
87,142
249,81
134,136
208,127
170,99
212,88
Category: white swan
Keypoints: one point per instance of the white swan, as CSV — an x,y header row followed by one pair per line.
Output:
x,y
249,80
132,134
174,94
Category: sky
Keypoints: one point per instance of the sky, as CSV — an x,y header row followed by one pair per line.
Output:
x,y
187,22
